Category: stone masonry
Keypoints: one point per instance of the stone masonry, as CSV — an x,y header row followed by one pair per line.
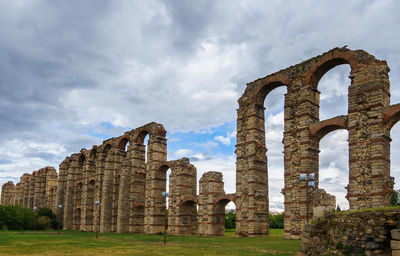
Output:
x,y
369,232
368,122
36,190
128,177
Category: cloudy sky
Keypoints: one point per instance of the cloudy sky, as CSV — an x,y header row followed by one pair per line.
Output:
x,y
76,73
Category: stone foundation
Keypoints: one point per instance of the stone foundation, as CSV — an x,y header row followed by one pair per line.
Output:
x,y
365,232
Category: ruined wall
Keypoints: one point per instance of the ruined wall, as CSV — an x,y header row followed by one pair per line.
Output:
x,y
369,139
365,232
212,201
182,203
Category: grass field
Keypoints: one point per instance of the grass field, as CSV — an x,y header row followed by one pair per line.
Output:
x,y
85,243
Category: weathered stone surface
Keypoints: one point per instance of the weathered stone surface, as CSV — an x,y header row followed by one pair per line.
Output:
x,y
354,233
395,245
369,120
395,233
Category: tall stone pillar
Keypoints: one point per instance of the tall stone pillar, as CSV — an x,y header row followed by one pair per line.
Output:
x,y
100,165
24,189
137,182
107,193
119,157
251,171
155,184
301,156
123,199
370,183
70,191
61,188
88,191
31,195
50,186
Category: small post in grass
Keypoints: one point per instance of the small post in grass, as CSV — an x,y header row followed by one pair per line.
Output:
x,y
98,223
34,218
165,195
59,217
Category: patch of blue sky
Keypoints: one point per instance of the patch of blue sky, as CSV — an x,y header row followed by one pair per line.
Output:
x,y
205,141
103,130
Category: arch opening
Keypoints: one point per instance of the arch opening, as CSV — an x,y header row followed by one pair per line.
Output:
x,y
395,151
187,219
123,144
274,128
333,84
333,174
224,215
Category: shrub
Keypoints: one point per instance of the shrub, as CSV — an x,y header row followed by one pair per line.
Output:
x,y
276,221
395,199
230,219
49,214
43,223
15,217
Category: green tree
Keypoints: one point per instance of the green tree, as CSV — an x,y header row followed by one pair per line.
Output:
x,y
46,212
395,199
15,217
43,223
276,221
230,219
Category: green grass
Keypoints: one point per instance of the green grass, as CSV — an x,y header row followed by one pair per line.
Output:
x,y
388,208
85,243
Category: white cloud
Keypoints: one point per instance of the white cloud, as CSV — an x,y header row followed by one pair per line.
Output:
x,y
184,152
226,140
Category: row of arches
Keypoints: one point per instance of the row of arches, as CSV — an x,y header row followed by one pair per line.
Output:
x,y
370,184
33,190
114,175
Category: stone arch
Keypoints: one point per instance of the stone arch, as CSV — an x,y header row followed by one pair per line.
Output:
x,y
265,86
189,199
151,129
391,116
106,148
122,142
322,128
326,63
93,153
224,198
317,132
218,216
185,219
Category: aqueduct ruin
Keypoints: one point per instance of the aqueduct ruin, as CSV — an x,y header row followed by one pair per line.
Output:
x,y
129,188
